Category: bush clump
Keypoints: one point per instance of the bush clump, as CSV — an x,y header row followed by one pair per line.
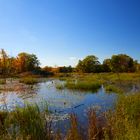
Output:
x,y
83,85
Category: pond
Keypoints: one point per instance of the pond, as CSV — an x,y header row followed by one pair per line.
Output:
x,y
61,103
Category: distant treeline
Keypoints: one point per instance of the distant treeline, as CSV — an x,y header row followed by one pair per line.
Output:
x,y
25,62
117,63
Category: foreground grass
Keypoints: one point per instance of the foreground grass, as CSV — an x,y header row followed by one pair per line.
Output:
x,y
29,123
23,123
123,124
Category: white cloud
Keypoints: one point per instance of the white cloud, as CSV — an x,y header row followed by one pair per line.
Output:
x,y
72,58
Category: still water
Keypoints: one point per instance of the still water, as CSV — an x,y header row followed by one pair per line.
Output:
x,y
61,103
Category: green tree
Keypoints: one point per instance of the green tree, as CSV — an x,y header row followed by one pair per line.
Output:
x,y
88,65
65,69
106,66
122,63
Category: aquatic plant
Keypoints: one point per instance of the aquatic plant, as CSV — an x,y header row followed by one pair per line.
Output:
x,y
29,80
24,123
73,132
59,86
2,81
113,89
83,85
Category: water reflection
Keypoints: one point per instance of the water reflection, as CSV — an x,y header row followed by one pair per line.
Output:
x,y
60,102
46,91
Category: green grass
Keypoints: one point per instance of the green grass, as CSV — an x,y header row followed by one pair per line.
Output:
x,y
23,123
2,81
83,85
113,89
123,123
29,80
59,86
113,82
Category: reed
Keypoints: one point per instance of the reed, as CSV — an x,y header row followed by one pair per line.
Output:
x,y
123,122
23,123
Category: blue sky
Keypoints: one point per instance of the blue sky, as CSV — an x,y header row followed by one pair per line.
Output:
x,y
60,32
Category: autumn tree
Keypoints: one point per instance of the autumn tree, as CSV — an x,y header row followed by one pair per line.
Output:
x,y
26,62
3,61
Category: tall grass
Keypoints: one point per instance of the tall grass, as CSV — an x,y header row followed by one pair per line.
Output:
x,y
29,123
23,123
73,132
123,123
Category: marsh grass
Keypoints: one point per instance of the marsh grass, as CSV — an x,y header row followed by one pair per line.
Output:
x,y
112,83
93,131
29,80
83,85
23,123
29,123
2,81
59,86
123,123
74,132
113,89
